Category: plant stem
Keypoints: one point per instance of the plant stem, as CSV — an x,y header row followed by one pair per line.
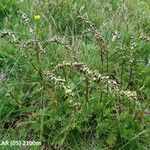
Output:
x,y
11,94
86,89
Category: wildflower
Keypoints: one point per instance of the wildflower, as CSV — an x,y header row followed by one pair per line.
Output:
x,y
2,77
37,17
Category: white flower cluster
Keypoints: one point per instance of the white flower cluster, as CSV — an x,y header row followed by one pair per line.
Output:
x,y
26,21
113,86
130,94
53,77
8,33
60,82
84,69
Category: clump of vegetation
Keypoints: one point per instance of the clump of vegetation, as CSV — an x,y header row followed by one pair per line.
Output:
x,y
75,75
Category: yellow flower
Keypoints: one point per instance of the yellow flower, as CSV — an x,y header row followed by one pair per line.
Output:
x,y
37,17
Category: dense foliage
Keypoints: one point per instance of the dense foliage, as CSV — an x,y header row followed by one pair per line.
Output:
x,y
75,74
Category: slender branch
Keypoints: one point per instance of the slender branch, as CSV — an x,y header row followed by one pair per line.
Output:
x,y
86,89
11,94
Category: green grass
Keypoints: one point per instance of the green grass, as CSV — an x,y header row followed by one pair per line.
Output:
x,y
47,95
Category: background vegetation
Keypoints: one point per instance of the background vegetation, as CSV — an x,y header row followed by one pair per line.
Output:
x,y
77,76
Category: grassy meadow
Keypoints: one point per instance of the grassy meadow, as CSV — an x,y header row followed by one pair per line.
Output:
x,y
74,75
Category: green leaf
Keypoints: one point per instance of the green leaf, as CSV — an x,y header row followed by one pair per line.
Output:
x,y
111,139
